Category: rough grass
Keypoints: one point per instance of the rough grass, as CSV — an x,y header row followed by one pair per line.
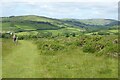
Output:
x,y
76,64
7,47
27,61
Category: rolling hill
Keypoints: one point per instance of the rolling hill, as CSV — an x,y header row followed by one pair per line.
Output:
x,y
92,24
33,22
29,23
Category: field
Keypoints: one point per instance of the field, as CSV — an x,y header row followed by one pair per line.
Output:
x,y
30,59
54,32
59,48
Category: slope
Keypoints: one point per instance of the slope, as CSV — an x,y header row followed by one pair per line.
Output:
x,y
92,24
31,22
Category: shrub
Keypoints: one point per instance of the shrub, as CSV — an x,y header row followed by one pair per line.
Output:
x,y
73,34
99,46
49,47
20,37
56,47
6,35
44,34
89,48
113,48
96,38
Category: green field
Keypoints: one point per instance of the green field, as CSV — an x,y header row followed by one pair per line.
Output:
x,y
54,32
26,61
113,31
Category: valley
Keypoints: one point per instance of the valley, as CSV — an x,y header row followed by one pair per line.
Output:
x,y
59,48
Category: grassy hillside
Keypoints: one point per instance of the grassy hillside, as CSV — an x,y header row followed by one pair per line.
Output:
x,y
32,22
97,21
92,24
22,23
93,21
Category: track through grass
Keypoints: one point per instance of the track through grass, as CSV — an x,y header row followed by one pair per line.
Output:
x,y
20,63
25,61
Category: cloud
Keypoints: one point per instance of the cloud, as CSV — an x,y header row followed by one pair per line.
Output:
x,y
74,9
33,1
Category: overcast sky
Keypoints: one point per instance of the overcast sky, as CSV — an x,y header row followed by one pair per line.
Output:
x,y
61,9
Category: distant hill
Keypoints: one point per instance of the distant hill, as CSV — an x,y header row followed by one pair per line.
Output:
x,y
97,21
33,22
92,24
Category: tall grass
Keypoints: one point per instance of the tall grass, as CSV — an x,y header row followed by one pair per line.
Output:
x,y
72,61
7,47
62,57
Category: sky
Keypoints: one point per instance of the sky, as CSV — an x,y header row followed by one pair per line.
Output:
x,y
78,9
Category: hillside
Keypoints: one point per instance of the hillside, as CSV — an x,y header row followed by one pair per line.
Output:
x,y
33,22
93,21
30,23
92,24
97,21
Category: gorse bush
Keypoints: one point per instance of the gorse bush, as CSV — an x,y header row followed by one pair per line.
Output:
x,y
44,34
56,47
52,47
89,48
89,44
49,46
93,47
101,45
